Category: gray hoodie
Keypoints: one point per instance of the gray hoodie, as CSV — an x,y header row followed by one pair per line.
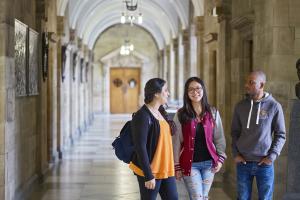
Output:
x,y
252,127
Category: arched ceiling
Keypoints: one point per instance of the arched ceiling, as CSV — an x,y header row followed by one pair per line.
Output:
x,y
160,17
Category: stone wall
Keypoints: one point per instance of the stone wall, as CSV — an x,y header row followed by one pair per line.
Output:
x,y
268,29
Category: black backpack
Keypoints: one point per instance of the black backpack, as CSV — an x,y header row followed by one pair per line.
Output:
x,y
123,144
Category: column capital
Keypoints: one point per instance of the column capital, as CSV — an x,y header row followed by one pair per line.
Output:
x,y
199,26
72,35
175,44
185,37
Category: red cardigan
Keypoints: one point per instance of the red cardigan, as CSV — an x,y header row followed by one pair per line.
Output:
x,y
187,148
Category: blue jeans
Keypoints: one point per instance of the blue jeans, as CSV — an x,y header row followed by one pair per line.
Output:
x,y
165,187
200,181
264,175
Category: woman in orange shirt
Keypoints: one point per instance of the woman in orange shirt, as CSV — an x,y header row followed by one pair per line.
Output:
x,y
153,162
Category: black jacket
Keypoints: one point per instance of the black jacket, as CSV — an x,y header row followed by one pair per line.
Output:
x,y
145,131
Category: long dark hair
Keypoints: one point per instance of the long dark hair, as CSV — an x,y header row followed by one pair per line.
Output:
x,y
152,87
187,112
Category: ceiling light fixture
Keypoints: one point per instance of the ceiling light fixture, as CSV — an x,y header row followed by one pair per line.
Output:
x,y
126,48
130,12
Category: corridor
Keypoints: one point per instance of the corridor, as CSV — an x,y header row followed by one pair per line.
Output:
x,y
71,72
90,170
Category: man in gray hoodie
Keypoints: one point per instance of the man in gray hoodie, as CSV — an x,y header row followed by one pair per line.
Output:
x,y
258,135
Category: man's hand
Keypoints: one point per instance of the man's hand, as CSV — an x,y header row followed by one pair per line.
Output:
x,y
178,175
217,167
150,184
240,159
266,161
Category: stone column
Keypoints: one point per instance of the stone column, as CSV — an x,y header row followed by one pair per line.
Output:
x,y
52,99
181,68
193,51
166,62
51,26
186,50
42,126
199,32
60,32
176,67
7,99
171,72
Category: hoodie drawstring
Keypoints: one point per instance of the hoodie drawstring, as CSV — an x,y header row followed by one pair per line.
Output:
x,y
258,111
249,116
250,113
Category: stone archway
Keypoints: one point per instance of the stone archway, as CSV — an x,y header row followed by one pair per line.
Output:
x,y
113,60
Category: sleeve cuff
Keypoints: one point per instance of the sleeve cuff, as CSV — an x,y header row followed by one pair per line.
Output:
x,y
272,156
177,167
221,159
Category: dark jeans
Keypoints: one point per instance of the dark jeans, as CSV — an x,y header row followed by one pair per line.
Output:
x,y
165,187
264,175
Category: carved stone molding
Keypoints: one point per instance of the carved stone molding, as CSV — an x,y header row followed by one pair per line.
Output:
x,y
199,25
241,22
210,37
53,37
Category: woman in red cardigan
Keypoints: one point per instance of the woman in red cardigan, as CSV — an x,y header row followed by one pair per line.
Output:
x,y
199,142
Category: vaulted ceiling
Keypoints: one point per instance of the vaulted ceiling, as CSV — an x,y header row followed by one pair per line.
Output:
x,y
161,18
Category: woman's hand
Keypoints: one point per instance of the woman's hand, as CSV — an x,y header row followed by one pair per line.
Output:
x,y
150,184
178,175
217,167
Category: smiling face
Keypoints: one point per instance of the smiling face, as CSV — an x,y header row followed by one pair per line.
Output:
x,y
195,92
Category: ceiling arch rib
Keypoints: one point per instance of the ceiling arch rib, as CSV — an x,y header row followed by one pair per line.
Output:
x,y
150,11
198,7
61,8
89,29
182,11
172,9
103,25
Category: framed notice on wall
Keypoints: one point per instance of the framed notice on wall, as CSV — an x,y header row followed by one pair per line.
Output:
x,y
33,63
20,57
26,60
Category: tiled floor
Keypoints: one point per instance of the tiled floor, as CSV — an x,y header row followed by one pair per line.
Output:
x,y
90,171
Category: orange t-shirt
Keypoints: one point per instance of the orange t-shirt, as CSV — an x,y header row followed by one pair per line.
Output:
x,y
162,165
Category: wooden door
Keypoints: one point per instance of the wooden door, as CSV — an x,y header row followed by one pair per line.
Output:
x,y
124,89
